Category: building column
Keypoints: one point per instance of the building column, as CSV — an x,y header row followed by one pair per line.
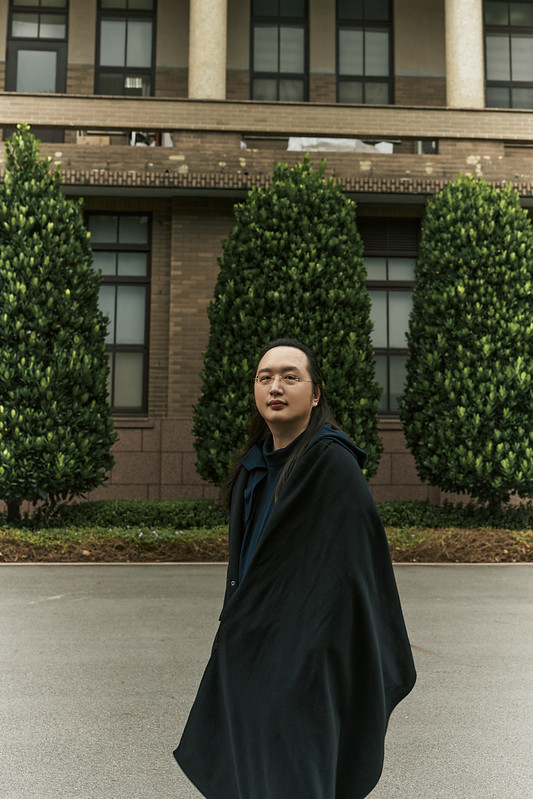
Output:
x,y
465,74
207,49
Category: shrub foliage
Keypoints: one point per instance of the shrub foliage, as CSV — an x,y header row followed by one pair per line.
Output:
x,y
467,404
55,422
291,267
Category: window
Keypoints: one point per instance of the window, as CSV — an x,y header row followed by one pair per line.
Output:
x,y
121,250
125,47
391,248
37,51
364,52
279,50
509,54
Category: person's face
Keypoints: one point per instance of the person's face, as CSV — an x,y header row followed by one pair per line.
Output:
x,y
285,404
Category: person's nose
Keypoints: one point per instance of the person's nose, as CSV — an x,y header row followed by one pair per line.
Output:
x,y
277,385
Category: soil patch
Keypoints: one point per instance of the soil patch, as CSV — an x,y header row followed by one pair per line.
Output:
x,y
423,545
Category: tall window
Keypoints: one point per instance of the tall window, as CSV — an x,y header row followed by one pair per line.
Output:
x,y
509,53
364,59
279,50
125,47
121,250
37,51
391,247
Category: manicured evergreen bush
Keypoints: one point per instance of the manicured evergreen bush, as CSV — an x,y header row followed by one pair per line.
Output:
x,y
55,424
182,514
467,404
291,267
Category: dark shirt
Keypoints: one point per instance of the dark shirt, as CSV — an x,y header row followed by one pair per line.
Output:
x,y
264,468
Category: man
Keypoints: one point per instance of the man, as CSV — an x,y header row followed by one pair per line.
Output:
x,y
312,654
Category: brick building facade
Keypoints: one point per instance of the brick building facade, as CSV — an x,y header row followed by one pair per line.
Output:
x,y
163,113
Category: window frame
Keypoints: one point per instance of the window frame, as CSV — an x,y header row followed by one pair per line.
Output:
x,y
365,24
278,20
127,15
508,31
390,245
128,280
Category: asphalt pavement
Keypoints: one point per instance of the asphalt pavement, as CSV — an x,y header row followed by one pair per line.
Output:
x,y
99,665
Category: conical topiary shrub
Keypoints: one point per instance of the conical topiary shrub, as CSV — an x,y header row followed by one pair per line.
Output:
x,y
291,267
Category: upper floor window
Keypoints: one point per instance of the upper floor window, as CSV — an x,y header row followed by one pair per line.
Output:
x,y
391,248
125,47
279,50
364,52
509,53
121,251
37,46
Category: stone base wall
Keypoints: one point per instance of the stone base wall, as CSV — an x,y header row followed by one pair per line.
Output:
x,y
155,459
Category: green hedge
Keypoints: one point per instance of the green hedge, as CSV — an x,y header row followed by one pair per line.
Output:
x,y
422,514
182,514
186,514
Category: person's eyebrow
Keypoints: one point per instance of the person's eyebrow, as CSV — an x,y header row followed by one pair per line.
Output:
x,y
283,369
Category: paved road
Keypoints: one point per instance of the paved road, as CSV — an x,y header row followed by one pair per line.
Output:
x,y
99,666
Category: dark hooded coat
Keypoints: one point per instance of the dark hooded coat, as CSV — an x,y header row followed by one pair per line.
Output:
x,y
312,654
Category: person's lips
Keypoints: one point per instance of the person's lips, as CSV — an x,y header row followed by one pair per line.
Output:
x,y
276,404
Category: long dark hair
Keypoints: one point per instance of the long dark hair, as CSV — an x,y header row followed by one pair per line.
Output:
x,y
258,429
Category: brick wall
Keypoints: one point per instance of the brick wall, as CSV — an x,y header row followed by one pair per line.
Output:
x,y
322,88
237,84
419,91
171,82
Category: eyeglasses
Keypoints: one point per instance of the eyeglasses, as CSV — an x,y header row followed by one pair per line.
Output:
x,y
265,381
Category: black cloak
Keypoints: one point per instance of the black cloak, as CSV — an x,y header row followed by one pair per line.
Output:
x,y
312,653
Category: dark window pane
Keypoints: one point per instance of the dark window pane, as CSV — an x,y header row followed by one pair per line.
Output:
x,y
265,89
350,9
498,97
111,83
265,8
496,13
377,10
36,71
291,90
350,91
141,5
521,14
377,93
114,4
522,98
292,8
